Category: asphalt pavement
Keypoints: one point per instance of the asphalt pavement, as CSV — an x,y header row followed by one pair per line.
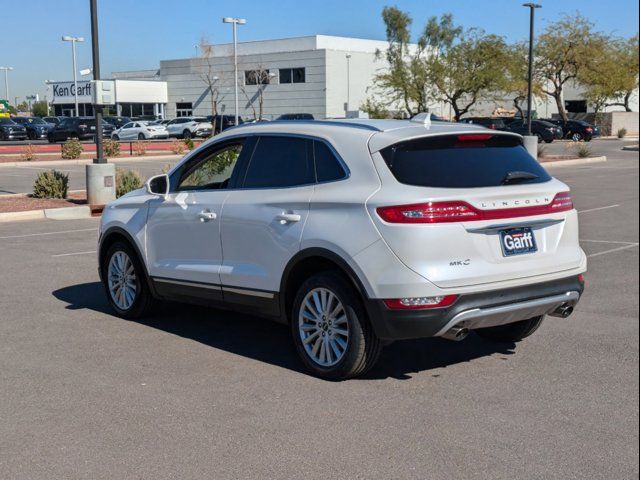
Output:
x,y
192,393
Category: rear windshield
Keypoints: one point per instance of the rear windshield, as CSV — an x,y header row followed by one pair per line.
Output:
x,y
463,161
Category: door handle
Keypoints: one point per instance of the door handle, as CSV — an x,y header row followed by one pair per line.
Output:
x,y
285,218
206,216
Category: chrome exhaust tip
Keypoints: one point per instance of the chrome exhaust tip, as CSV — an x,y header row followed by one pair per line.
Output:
x,y
456,334
563,311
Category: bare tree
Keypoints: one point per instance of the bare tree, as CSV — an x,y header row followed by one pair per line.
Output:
x,y
207,73
260,77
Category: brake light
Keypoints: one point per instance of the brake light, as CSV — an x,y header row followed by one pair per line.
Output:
x,y
475,137
420,303
588,129
446,212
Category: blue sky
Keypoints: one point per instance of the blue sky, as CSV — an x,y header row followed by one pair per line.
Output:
x,y
137,34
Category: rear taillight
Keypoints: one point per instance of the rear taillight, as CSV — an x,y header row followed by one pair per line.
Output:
x,y
420,303
475,137
588,129
446,212
581,279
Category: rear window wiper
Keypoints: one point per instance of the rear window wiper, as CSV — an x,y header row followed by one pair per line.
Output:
x,y
517,177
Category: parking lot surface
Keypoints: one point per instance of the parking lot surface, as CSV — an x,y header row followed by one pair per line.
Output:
x,y
197,393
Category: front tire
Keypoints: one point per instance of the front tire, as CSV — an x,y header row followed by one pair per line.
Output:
x,y
141,136
330,328
186,134
512,332
125,283
576,137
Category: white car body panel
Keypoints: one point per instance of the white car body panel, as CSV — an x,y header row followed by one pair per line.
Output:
x,y
133,131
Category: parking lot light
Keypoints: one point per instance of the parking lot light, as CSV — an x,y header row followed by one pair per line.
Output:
x,y
6,81
235,22
73,40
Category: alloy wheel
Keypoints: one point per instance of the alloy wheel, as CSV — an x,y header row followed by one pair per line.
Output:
x,y
323,327
122,280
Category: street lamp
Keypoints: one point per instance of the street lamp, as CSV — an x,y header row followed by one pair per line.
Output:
x,y
235,22
532,7
348,56
73,40
6,81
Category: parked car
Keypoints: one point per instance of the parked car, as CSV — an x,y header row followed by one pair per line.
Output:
x,y
53,120
545,131
354,233
117,122
81,128
489,122
188,127
576,130
295,116
222,122
10,130
36,127
143,130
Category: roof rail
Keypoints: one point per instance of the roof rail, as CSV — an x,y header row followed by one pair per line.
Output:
x,y
337,122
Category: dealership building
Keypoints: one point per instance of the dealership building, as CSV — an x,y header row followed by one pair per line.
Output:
x,y
325,76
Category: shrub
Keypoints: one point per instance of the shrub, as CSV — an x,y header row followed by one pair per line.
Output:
x,y
71,149
541,150
51,184
622,132
127,181
189,143
166,168
177,147
28,153
581,149
140,148
111,148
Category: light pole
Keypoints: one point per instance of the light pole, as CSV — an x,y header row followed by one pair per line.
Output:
x,y
532,7
348,56
235,22
73,40
6,81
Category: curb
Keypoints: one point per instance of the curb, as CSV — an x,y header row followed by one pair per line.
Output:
x,y
62,213
631,148
87,161
577,161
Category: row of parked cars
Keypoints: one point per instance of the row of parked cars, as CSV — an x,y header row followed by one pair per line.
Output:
x,y
547,130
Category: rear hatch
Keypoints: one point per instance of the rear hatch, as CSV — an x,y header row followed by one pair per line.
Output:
x,y
469,209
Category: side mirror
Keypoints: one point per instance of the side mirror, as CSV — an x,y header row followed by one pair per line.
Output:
x,y
158,185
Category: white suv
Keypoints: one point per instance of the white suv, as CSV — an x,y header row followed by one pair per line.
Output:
x,y
188,127
355,233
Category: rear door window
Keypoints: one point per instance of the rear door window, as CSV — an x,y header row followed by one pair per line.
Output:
x,y
328,167
278,162
463,161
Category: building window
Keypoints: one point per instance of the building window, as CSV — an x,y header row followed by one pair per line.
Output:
x,y
575,106
293,75
184,109
256,77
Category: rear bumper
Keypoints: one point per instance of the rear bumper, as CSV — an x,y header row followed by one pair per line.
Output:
x,y
478,310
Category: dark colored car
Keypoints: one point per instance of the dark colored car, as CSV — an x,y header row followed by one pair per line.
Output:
x,y
295,116
545,131
36,127
10,130
576,130
81,128
117,122
489,122
222,122
53,120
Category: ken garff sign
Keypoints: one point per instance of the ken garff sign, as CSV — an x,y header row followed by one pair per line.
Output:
x,y
63,92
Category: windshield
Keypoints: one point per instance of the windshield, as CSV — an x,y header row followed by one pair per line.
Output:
x,y
6,121
462,161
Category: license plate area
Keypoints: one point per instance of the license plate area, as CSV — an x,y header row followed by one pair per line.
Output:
x,y
517,241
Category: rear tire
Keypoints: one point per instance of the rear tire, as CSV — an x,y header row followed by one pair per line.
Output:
x,y
186,134
327,309
512,332
121,266
141,136
576,137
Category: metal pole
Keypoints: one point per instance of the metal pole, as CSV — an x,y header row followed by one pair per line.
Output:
x,y
95,50
235,70
532,7
6,83
75,76
348,81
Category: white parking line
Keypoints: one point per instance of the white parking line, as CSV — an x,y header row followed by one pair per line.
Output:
x,y
608,241
48,233
599,208
624,247
73,253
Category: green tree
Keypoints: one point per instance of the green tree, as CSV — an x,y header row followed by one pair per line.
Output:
x,y
564,52
516,77
40,109
470,69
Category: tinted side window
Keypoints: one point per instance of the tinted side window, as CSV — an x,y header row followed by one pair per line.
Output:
x,y
279,162
328,167
454,162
